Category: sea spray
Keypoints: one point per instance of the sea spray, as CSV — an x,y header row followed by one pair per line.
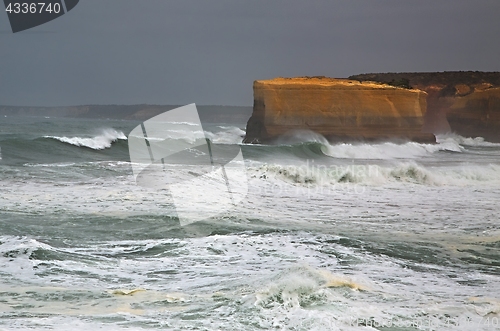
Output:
x,y
464,141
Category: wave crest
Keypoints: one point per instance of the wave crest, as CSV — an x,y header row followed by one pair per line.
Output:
x,y
388,150
411,172
101,141
303,286
317,144
464,141
372,174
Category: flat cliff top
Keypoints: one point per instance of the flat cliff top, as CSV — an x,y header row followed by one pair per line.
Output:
x,y
297,82
436,78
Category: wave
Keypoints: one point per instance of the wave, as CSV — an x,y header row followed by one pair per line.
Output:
x,y
230,136
387,151
18,255
303,286
319,165
390,150
101,141
372,174
182,123
464,141
309,144
14,247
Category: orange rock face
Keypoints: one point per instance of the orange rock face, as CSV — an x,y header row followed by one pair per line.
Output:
x,y
464,102
339,109
476,114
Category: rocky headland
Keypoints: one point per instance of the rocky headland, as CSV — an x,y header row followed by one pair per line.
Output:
x,y
463,102
339,109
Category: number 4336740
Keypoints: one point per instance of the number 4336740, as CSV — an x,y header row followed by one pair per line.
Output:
x,y
33,8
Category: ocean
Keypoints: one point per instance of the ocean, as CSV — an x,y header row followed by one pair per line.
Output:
x,y
359,236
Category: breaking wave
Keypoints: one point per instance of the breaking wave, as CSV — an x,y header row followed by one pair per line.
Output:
x,y
101,141
372,174
304,144
387,151
230,135
464,141
303,286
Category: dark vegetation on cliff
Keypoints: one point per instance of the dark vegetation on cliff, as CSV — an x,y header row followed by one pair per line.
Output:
x,y
448,79
431,78
402,82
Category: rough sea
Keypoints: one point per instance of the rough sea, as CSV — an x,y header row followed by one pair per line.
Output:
x,y
381,236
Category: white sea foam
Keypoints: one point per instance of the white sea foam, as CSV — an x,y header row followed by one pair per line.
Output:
x,y
417,246
230,135
388,150
101,141
373,174
302,281
464,141
15,253
303,286
409,150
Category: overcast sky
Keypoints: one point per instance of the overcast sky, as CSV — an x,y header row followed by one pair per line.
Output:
x,y
210,51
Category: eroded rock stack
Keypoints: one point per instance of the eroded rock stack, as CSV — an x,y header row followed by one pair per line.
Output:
x,y
339,109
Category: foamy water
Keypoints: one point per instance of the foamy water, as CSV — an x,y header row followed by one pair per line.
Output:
x,y
329,237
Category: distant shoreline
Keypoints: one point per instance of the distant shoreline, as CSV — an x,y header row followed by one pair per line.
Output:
x,y
138,112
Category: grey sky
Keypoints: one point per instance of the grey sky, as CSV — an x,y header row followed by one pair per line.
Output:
x,y
210,51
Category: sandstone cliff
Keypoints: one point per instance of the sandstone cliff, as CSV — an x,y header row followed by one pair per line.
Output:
x,y
339,109
466,102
